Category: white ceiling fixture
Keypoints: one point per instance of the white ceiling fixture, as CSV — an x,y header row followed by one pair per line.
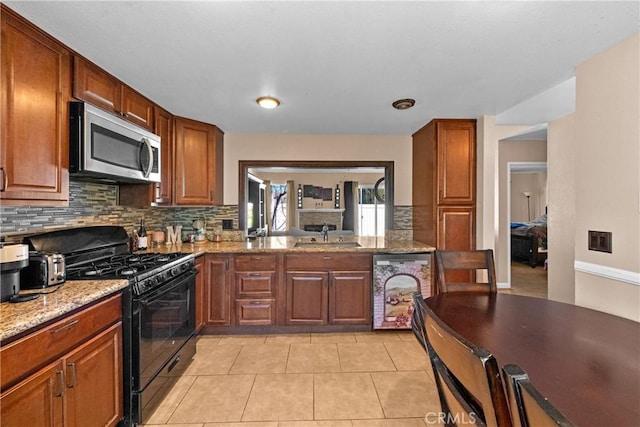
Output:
x,y
268,102
337,63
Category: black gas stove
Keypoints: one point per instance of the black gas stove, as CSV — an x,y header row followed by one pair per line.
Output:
x,y
145,271
158,309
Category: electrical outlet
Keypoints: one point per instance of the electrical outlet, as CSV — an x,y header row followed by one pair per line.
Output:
x,y
600,241
227,224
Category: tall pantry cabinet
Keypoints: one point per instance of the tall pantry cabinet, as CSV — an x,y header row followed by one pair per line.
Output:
x,y
444,184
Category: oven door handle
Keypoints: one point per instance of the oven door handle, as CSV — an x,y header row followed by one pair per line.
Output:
x,y
160,292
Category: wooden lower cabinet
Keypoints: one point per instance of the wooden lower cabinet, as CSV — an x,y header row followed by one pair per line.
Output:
x,y
82,388
328,289
255,312
217,286
201,302
350,298
307,298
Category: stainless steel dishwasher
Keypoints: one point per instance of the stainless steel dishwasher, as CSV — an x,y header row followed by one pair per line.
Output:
x,y
396,276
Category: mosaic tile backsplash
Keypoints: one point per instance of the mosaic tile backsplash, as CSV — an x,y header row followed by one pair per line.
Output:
x,y
96,204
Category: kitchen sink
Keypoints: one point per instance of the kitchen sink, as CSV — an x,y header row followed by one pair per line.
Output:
x,y
327,245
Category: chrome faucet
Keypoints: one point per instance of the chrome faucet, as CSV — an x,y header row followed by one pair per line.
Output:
x,y
325,232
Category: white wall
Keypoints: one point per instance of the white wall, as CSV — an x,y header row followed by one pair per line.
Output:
x,y
534,183
396,148
607,178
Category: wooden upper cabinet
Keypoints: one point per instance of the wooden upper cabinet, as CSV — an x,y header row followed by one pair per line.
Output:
x,y
164,128
34,141
198,163
95,86
456,147
444,183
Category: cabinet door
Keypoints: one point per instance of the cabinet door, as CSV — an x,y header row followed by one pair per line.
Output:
x,y
456,146
456,231
201,303
163,125
36,401
218,290
94,85
307,299
34,143
136,108
198,163
350,298
93,381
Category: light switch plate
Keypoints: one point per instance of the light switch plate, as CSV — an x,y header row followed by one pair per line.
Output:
x,y
600,241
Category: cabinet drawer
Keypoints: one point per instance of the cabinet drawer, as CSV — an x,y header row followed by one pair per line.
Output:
x,y
255,312
255,262
328,261
19,358
256,284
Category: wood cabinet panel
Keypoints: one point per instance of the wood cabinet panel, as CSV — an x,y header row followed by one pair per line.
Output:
x,y
307,298
255,312
259,262
34,142
456,163
198,163
94,382
218,290
68,374
96,86
328,261
260,284
201,302
350,298
22,356
36,401
444,176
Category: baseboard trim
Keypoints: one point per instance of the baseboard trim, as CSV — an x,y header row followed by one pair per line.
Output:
x,y
612,273
503,285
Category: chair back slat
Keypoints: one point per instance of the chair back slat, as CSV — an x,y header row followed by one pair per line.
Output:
x,y
476,263
471,371
529,408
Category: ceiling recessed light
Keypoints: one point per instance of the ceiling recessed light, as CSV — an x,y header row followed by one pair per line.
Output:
x,y
267,102
403,104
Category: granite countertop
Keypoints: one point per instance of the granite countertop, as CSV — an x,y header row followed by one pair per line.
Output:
x,y
287,244
20,317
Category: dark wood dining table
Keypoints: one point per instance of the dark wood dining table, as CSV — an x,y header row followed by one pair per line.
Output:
x,y
586,362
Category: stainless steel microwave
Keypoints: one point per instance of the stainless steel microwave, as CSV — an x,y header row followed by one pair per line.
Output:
x,y
106,148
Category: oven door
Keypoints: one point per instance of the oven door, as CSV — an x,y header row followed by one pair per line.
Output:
x,y
163,321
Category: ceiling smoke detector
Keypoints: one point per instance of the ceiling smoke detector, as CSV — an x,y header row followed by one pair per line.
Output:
x,y
404,104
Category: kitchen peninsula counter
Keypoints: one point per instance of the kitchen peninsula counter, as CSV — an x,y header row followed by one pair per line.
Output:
x,y
287,244
15,319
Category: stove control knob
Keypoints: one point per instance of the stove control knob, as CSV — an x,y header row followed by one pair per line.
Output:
x,y
175,271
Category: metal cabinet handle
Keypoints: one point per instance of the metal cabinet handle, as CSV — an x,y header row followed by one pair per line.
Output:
x,y
65,327
255,275
326,257
60,381
4,180
257,258
72,369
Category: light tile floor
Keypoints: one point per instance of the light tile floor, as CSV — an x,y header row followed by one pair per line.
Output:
x,y
376,379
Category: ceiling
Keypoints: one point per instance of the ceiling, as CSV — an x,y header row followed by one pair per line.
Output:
x,y
336,66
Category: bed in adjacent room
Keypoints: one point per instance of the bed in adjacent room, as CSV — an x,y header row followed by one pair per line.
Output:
x,y
528,239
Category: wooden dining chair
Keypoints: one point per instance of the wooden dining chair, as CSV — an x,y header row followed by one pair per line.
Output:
x,y
460,271
417,320
529,408
467,377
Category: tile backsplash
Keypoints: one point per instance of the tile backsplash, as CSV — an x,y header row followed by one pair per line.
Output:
x,y
96,204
